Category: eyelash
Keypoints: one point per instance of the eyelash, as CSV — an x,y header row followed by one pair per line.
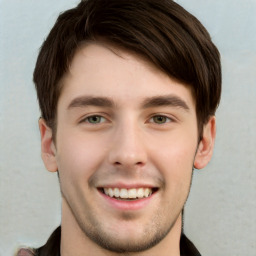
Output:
x,y
161,116
151,119
86,120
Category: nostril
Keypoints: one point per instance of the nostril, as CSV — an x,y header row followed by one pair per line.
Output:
x,y
138,163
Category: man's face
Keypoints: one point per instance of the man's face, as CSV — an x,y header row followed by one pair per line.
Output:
x,y
125,147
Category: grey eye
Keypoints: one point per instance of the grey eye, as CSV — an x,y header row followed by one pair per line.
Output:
x,y
160,119
95,119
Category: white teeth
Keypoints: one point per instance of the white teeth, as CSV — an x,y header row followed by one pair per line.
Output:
x,y
140,193
124,193
110,192
116,192
132,193
146,192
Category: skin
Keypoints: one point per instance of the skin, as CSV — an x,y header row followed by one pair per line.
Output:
x,y
134,142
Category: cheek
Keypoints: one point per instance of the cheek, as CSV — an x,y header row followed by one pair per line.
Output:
x,y
175,159
79,157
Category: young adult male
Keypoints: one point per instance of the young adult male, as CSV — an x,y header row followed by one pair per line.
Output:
x,y
128,92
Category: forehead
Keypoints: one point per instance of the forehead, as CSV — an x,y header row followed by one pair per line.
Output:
x,y
103,70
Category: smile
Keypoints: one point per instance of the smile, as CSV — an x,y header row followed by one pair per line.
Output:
x,y
128,197
128,194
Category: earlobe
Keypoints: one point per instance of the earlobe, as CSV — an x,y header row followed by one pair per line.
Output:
x,y
206,145
48,149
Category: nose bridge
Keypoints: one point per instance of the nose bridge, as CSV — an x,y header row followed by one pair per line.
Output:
x,y
128,149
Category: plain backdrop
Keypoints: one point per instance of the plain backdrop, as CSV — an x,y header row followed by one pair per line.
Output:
x,y
220,216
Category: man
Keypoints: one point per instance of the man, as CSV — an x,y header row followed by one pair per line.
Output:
x,y
128,91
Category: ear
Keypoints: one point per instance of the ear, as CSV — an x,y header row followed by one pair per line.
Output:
x,y
206,145
48,149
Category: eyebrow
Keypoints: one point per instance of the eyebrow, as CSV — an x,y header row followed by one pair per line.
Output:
x,y
156,101
91,101
169,100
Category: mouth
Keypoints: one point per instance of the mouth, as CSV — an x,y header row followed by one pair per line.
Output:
x,y
130,194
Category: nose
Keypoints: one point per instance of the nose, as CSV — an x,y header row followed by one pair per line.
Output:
x,y
128,149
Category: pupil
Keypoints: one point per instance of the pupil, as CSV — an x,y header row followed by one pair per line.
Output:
x,y
94,119
160,119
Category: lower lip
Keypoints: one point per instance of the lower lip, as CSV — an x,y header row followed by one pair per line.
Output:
x,y
128,205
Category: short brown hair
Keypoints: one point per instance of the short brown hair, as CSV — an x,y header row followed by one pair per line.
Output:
x,y
160,30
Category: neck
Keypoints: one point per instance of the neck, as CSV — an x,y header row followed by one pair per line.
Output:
x,y
74,241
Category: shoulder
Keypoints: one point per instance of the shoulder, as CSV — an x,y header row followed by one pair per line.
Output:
x,y
25,252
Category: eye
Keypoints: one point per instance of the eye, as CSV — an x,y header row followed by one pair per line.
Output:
x,y
160,119
94,119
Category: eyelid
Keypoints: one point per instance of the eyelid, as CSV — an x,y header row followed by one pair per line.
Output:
x,y
85,118
170,118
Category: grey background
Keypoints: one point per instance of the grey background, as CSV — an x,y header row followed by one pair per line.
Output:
x,y
220,215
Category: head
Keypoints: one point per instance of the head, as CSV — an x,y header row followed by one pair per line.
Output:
x,y
128,92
